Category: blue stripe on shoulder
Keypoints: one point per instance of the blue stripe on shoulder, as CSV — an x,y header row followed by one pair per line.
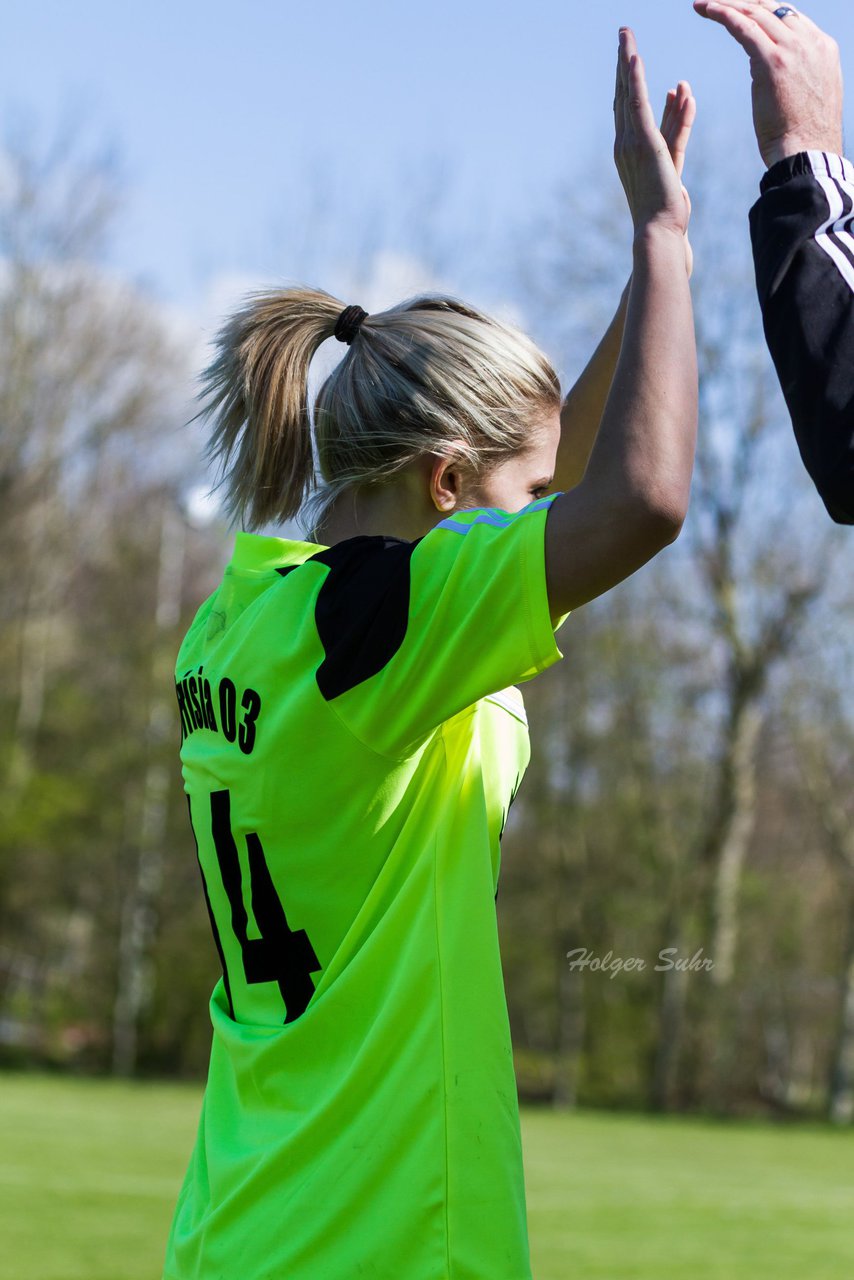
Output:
x,y
493,516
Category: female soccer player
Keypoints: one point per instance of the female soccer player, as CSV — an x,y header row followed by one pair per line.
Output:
x,y
353,738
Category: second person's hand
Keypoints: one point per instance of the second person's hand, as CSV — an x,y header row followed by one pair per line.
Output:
x,y
797,76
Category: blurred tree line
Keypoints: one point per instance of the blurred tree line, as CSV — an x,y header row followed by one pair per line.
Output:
x,y
676,900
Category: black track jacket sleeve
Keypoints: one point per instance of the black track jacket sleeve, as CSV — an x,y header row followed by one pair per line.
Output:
x,y
802,231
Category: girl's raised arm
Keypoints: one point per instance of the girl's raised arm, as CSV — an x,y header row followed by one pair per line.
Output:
x,y
634,495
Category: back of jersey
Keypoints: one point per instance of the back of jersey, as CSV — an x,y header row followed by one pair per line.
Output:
x,y
348,778
272,811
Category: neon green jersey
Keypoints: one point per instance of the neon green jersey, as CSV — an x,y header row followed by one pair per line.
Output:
x,y
352,741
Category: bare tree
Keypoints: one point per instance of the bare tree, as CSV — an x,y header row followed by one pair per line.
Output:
x,y
825,753
738,588
137,927
92,385
83,363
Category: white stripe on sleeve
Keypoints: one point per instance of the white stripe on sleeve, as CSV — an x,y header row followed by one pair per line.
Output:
x,y
835,176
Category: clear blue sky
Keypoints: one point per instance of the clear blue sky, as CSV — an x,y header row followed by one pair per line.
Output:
x,y
217,109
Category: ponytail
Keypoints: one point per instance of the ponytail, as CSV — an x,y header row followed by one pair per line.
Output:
x,y
256,391
417,376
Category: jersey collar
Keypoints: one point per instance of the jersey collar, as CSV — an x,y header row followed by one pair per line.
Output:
x,y
258,552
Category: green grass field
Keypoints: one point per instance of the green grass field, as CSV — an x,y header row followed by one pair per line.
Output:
x,y
90,1170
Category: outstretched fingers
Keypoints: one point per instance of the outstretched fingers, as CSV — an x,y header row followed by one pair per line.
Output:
x,y
640,117
745,27
620,92
667,115
763,12
680,112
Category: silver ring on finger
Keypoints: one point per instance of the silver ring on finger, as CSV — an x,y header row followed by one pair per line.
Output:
x,y
785,11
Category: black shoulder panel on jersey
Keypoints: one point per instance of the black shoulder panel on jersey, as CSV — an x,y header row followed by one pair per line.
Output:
x,y
362,608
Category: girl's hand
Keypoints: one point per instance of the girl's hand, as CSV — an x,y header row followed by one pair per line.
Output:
x,y
647,170
680,111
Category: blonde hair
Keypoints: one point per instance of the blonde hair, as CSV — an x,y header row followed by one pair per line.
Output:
x,y
419,375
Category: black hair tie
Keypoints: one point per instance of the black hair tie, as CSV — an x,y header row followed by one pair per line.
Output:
x,y
347,324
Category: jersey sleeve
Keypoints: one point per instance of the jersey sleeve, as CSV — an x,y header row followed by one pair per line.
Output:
x,y
803,247
415,632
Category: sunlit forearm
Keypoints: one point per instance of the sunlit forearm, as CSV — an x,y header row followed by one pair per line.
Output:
x,y
644,450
